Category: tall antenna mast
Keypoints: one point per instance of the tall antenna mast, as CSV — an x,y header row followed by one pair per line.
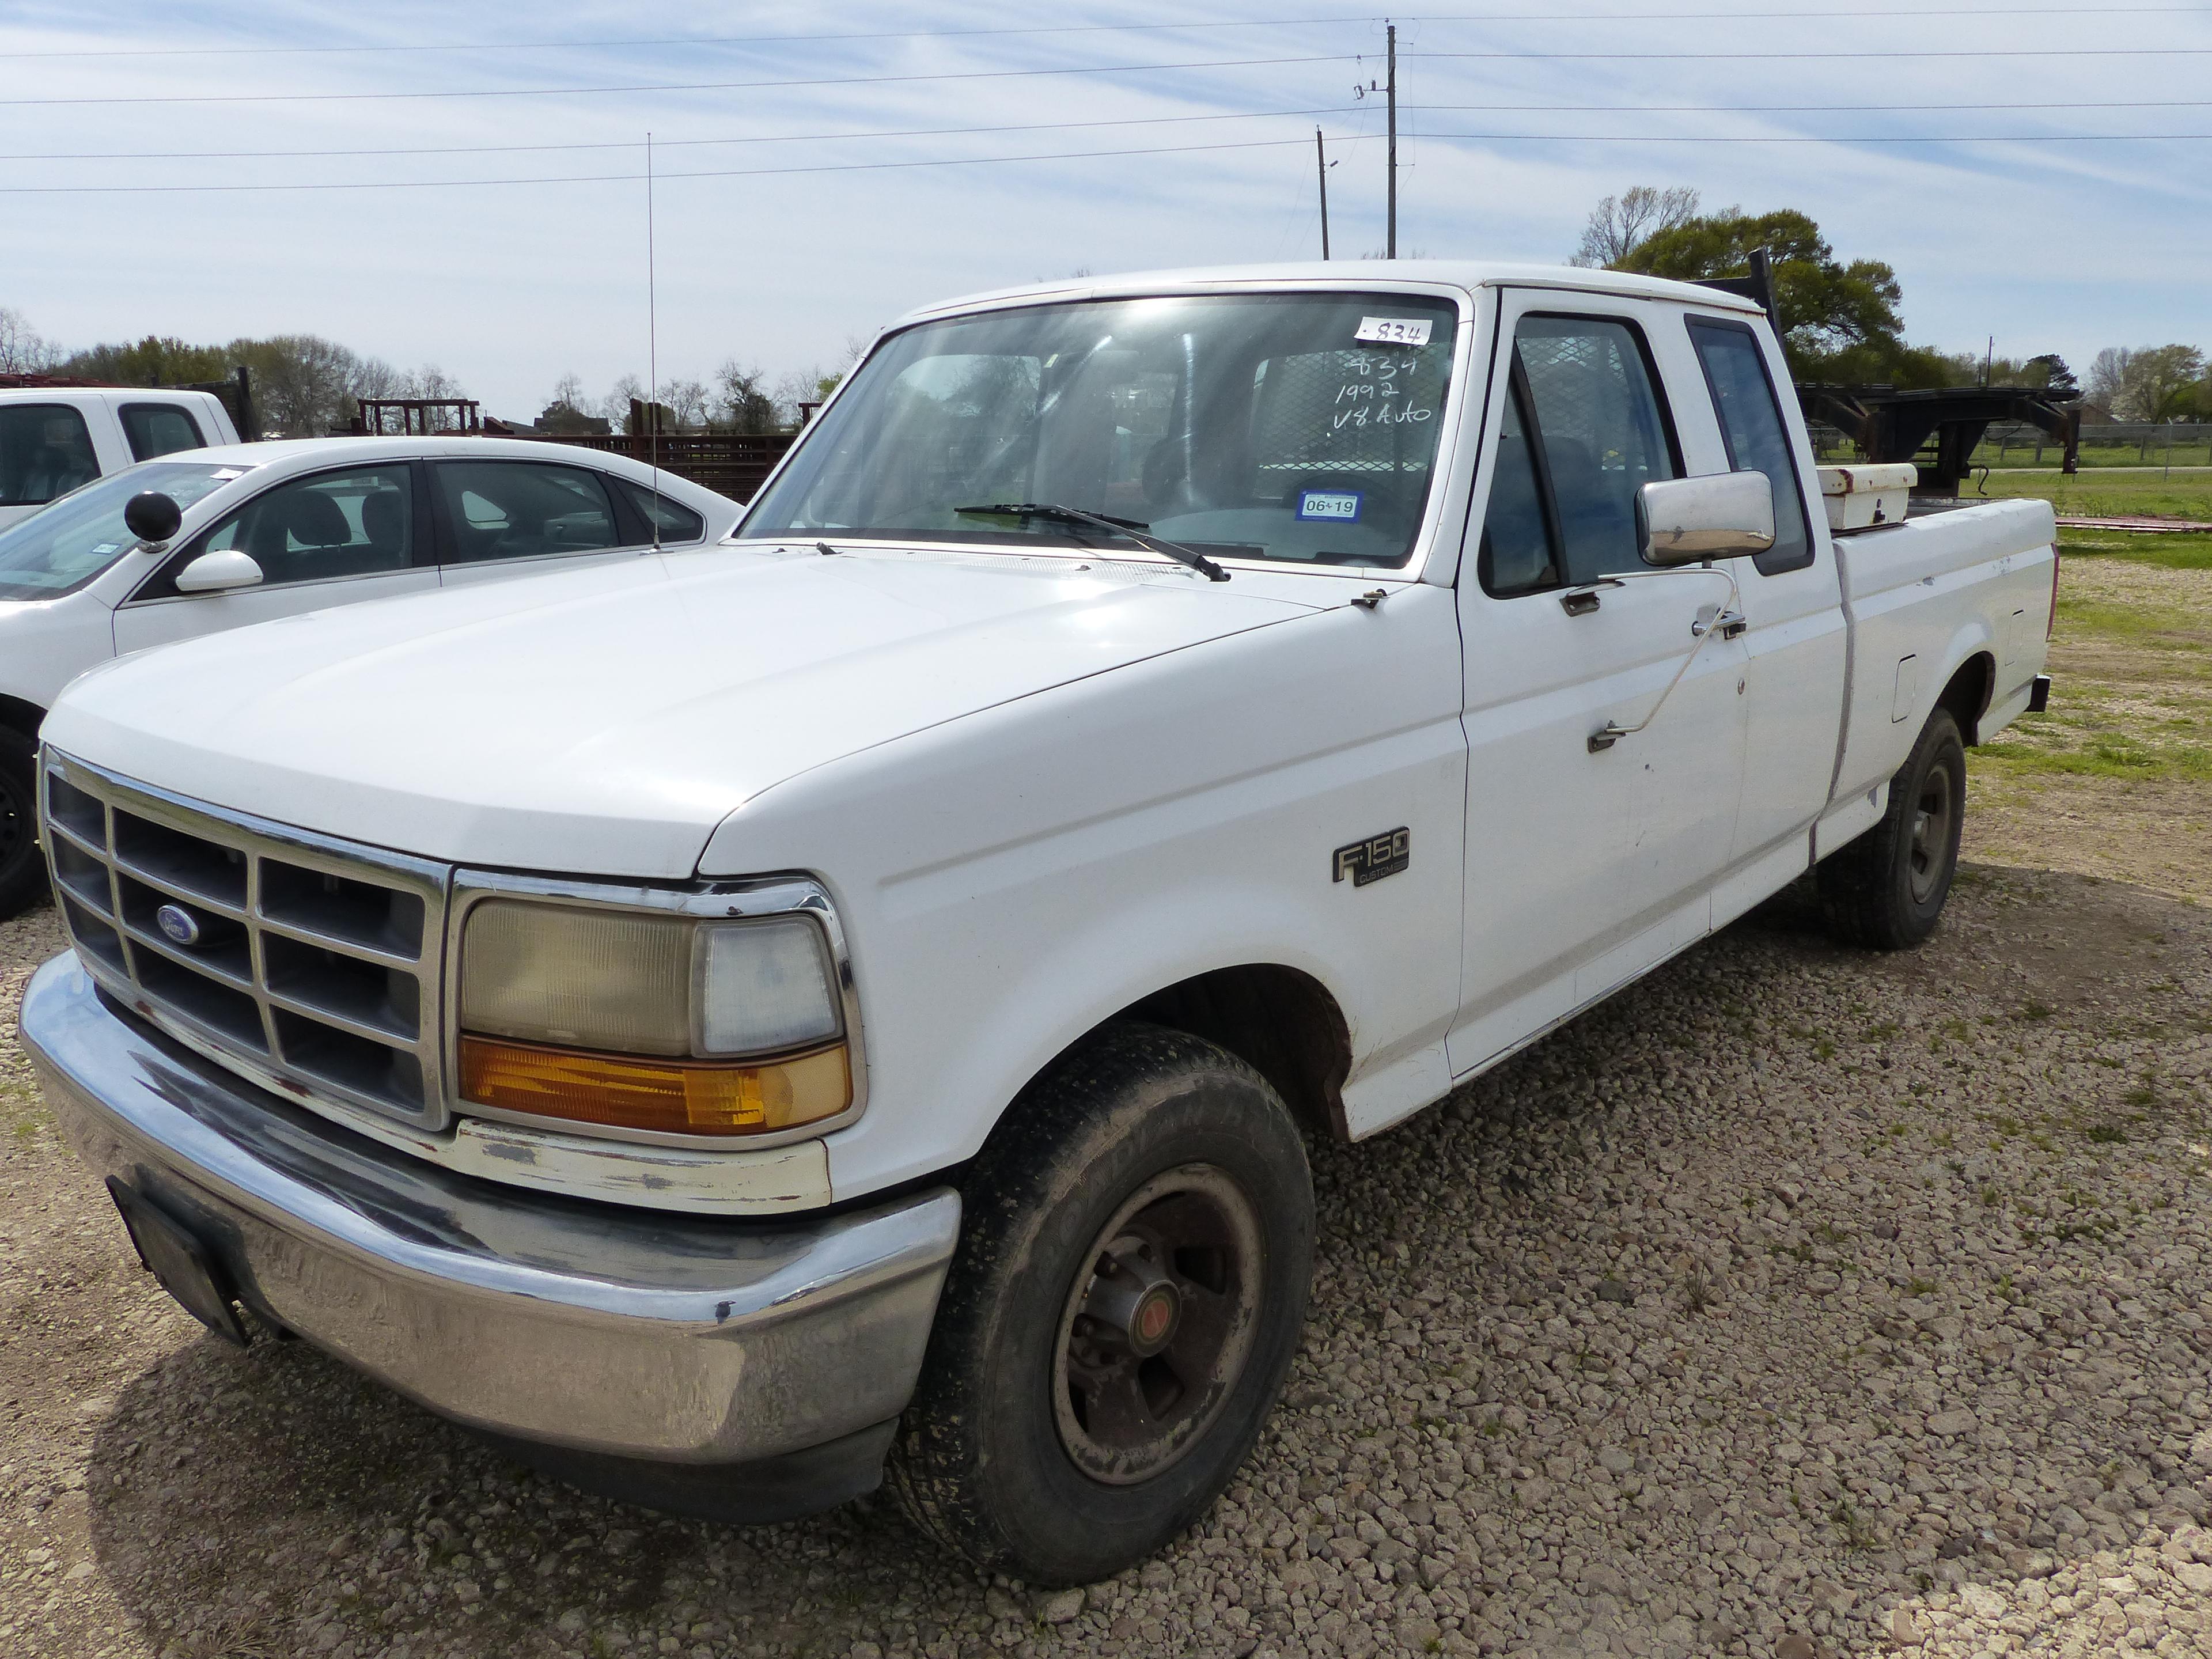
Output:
x,y
652,349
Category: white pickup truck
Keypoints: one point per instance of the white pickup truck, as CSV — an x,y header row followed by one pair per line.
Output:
x,y
726,1029
54,438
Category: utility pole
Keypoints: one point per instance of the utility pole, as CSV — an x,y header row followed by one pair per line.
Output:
x,y
1390,246
1320,168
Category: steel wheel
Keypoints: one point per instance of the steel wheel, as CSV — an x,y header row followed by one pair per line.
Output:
x,y
1159,1325
1931,833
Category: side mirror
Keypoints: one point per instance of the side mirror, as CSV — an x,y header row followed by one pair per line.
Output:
x,y
1722,515
151,516
217,573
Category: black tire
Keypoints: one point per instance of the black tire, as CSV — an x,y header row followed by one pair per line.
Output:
x,y
1137,1124
1885,890
22,871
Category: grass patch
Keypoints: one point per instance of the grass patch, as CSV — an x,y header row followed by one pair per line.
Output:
x,y
2167,550
2103,492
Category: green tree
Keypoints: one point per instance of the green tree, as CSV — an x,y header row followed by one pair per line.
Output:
x,y
157,360
1839,321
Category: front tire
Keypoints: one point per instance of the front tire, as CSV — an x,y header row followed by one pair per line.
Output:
x,y
1885,890
1129,1293
22,871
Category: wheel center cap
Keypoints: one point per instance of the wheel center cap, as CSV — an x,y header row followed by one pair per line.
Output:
x,y
1154,1320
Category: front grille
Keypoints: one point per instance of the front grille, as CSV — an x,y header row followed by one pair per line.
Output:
x,y
315,966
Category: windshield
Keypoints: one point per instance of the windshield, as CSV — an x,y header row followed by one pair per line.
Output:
x,y
1297,427
62,546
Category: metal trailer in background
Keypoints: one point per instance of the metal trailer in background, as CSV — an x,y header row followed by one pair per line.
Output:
x,y
1890,425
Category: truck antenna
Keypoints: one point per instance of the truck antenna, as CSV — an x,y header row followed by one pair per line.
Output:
x,y
652,350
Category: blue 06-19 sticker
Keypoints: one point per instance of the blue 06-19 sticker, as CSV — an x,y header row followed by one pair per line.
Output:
x,y
1337,506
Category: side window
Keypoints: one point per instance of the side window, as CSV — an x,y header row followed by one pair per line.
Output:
x,y
159,429
1752,426
313,530
45,452
1599,432
524,510
678,523
1520,553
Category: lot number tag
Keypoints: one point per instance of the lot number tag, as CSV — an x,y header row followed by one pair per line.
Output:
x,y
1339,506
1394,330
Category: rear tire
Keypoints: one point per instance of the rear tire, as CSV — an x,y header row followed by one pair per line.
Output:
x,y
1130,1290
22,871
1885,890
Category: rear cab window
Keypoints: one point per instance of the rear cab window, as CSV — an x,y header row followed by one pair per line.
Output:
x,y
1753,428
156,429
46,451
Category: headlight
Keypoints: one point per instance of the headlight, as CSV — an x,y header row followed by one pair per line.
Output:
x,y
632,1019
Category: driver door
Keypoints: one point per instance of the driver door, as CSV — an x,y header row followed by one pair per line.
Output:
x,y
1588,861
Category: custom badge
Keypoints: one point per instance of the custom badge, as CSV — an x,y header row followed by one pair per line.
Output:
x,y
1371,859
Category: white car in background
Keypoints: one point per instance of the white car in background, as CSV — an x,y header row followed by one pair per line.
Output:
x,y
261,530
57,439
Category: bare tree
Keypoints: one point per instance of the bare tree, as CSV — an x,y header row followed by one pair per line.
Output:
x,y
686,401
627,390
23,349
1620,225
2147,383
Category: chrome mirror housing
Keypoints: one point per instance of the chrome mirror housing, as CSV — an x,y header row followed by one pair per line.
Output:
x,y
1722,515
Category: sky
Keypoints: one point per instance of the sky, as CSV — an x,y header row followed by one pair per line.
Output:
x,y
809,189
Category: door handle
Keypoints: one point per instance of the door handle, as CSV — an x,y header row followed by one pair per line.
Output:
x,y
1731,625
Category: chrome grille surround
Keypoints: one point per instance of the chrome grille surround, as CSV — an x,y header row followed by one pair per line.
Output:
x,y
319,975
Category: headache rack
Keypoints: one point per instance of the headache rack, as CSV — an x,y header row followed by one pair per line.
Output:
x,y
307,965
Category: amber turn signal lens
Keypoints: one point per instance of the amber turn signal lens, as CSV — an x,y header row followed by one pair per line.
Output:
x,y
684,1098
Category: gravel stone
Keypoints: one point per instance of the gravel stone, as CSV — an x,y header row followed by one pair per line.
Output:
x,y
1796,1302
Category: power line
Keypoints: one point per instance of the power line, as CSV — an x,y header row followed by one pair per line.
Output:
x,y
622,178
660,144
681,86
689,40
1891,56
2009,106
1094,155
626,43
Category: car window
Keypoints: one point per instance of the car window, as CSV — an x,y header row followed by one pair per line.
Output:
x,y
159,429
45,452
677,523
1520,553
1600,432
1750,424
316,529
60,549
524,510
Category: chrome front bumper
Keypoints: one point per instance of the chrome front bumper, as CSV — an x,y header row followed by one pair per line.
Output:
x,y
602,1334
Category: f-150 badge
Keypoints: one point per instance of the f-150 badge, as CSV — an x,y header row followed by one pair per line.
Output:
x,y
1371,859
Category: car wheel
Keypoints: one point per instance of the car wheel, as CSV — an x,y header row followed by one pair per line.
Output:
x,y
1129,1292
22,871
1885,889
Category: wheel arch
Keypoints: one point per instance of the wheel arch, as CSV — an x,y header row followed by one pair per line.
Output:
x,y
21,715
1966,694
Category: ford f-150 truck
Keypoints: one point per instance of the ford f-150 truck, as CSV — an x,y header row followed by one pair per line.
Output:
x,y
734,1032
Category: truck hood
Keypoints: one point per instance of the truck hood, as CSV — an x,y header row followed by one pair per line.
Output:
x,y
602,721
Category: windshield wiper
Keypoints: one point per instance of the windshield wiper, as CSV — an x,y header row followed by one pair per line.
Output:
x,y
1134,529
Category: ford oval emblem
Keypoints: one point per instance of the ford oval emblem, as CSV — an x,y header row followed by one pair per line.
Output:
x,y
180,925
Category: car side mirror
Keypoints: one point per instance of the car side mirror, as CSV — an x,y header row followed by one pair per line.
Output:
x,y
218,573
151,516
1722,515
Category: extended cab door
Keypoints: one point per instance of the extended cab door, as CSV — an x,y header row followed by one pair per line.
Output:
x,y
332,538
1796,637
1586,862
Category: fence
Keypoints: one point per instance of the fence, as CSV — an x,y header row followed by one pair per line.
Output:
x,y
731,464
2148,441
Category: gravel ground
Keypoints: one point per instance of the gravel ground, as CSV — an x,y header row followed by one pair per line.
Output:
x,y
1799,1302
